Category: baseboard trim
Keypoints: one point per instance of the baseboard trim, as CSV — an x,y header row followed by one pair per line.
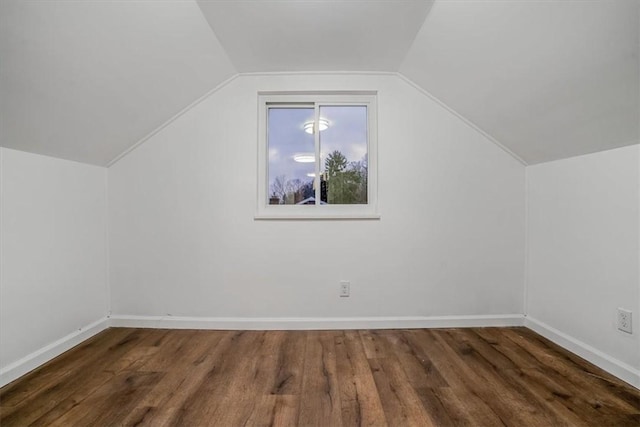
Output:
x,y
314,323
615,367
39,357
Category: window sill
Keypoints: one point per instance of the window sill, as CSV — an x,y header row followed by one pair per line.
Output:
x,y
316,216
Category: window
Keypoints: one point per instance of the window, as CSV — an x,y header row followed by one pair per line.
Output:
x,y
317,155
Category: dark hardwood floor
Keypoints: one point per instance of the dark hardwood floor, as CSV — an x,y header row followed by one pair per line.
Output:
x,y
443,377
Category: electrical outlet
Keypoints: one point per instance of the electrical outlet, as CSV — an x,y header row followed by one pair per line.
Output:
x,y
624,320
344,288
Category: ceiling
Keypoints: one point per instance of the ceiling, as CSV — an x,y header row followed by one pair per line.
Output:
x,y
547,79
87,80
302,35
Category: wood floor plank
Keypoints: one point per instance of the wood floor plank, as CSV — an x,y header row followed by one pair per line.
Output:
x,y
127,361
374,346
20,392
484,363
58,396
288,379
460,401
400,402
441,377
557,398
551,410
285,413
551,387
269,374
464,408
111,403
255,377
415,361
226,375
596,375
162,404
359,399
176,346
421,374
320,395
611,396
505,402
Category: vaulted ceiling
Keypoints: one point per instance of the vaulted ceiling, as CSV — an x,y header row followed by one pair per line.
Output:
x,y
547,79
87,80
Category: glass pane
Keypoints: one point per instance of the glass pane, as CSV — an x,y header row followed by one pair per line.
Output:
x,y
343,155
291,156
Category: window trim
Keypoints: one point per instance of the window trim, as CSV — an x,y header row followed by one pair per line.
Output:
x,y
316,99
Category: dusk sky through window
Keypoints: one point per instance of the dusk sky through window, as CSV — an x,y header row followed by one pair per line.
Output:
x,y
347,133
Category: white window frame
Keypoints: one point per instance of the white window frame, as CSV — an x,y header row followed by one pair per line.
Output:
x,y
317,211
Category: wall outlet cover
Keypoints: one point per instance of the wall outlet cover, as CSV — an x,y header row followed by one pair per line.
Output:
x,y
624,320
345,288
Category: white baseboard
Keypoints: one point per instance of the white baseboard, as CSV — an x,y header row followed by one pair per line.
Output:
x,y
39,357
615,367
314,323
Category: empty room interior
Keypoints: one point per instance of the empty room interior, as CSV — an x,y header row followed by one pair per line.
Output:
x,y
320,213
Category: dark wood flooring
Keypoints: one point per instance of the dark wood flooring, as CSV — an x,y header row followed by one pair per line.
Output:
x,y
444,377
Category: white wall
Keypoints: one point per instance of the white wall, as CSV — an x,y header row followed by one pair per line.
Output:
x,y
53,251
183,240
583,228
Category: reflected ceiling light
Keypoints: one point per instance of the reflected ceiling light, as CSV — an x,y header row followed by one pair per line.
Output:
x,y
311,175
304,157
323,124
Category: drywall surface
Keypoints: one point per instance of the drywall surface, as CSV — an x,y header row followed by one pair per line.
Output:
x,y
184,242
53,251
583,224
548,79
84,80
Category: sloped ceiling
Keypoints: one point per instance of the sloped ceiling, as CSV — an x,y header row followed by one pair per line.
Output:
x,y
547,79
87,80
